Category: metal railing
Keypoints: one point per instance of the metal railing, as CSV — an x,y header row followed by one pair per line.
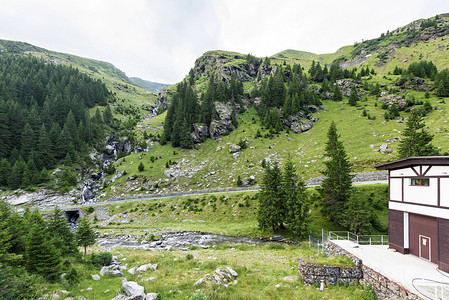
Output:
x,y
431,289
358,239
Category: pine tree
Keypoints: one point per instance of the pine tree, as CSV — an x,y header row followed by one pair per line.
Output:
x,y
296,199
357,215
41,256
5,235
416,141
5,170
107,115
85,235
44,155
271,212
5,132
338,95
16,176
239,181
353,97
336,187
441,90
27,141
63,238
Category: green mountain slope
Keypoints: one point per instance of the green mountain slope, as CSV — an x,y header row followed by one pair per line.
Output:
x,y
128,94
211,165
154,87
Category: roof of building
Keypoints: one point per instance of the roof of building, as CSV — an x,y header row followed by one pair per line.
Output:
x,y
415,161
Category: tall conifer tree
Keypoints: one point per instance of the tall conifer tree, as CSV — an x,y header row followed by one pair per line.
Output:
x,y
336,187
416,140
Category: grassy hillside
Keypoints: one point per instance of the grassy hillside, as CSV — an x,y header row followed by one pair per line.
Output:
x,y
127,93
207,167
229,213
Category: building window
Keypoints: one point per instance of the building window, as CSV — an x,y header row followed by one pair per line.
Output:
x,y
420,181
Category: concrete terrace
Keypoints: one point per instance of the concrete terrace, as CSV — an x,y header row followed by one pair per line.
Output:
x,y
414,274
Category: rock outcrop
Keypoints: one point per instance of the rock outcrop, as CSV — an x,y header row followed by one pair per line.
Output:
x,y
218,128
224,276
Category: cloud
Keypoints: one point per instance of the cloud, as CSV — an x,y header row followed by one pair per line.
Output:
x,y
160,40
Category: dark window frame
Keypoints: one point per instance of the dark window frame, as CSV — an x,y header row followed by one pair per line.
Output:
x,y
420,182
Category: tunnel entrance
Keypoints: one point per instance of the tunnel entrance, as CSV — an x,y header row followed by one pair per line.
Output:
x,y
72,216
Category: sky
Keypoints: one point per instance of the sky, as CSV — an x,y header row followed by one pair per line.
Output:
x,y
160,40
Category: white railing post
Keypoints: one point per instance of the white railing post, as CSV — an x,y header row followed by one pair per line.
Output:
x,y
357,239
370,240
382,239
348,235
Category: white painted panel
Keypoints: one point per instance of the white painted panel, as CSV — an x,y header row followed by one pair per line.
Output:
x,y
420,210
406,229
444,192
404,172
437,171
421,194
396,189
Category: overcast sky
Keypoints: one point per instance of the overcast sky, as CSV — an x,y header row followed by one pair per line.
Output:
x,y
160,40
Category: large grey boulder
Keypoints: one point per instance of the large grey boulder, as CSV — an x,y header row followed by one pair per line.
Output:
x,y
301,126
218,128
108,271
144,268
133,289
234,148
200,133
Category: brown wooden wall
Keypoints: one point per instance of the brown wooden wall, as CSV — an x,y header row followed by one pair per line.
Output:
x,y
396,228
427,226
443,236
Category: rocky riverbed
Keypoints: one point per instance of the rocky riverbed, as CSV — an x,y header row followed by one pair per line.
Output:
x,y
176,240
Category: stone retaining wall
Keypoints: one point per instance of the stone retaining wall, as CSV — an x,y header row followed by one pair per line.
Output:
x,y
383,287
313,274
369,176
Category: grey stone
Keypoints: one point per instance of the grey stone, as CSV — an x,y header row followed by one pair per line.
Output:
x,y
132,288
151,296
234,148
95,277
104,271
290,278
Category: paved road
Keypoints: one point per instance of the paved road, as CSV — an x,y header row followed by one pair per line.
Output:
x,y
184,194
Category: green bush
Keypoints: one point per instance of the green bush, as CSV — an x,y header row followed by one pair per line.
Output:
x,y
275,246
72,277
198,296
101,259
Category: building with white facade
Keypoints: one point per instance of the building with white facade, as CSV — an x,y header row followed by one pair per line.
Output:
x,y
418,207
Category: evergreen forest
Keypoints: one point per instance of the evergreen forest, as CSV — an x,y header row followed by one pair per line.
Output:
x,y
46,118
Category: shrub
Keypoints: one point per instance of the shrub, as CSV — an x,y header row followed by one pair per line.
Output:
x,y
110,169
101,259
72,276
275,246
242,144
90,209
239,181
198,296
141,167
